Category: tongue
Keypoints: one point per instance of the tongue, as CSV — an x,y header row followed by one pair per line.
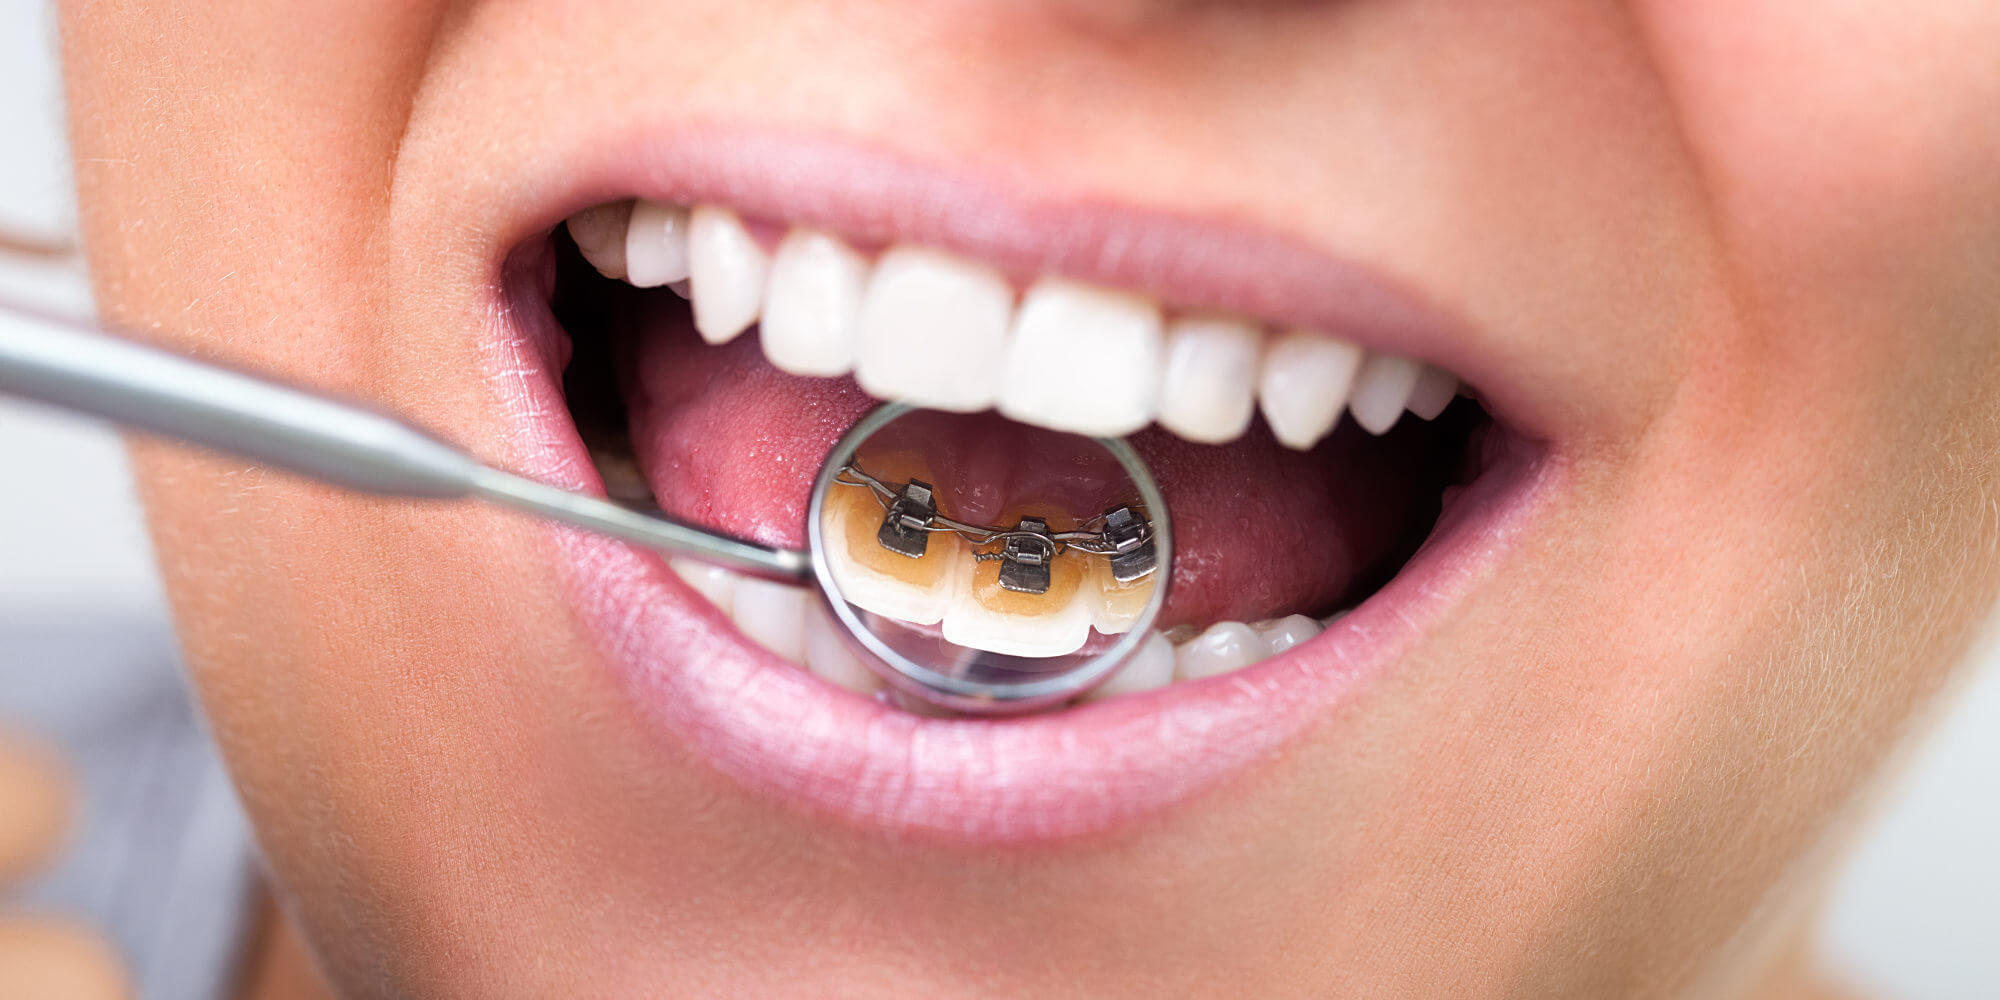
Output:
x,y
1261,531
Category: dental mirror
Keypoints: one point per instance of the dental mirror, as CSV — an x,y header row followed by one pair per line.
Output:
x,y
987,566
978,564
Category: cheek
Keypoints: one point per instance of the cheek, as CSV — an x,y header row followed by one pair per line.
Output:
x,y
1848,153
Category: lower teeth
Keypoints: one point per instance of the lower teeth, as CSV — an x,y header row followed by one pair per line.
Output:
x,y
787,621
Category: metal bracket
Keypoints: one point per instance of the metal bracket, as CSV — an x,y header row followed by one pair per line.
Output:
x,y
1024,561
1131,539
906,529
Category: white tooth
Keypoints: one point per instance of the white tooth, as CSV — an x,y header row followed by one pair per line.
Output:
x,y
969,623
1082,359
1381,390
1151,666
1224,647
829,655
1434,391
599,233
933,331
773,615
713,582
656,245
885,595
812,308
1284,633
728,270
1302,385
1208,387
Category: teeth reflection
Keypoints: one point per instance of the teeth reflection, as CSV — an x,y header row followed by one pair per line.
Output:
x,y
875,579
987,616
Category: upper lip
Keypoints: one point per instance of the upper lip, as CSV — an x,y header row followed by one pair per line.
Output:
x,y
781,731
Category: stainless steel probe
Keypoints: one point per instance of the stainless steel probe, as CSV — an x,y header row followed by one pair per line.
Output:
x,y
349,444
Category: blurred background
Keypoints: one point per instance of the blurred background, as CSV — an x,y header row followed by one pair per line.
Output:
x,y
1916,914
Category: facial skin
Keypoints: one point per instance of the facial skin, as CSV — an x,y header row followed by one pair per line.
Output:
x,y
1750,248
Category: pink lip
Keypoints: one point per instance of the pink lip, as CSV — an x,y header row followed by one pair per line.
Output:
x,y
782,732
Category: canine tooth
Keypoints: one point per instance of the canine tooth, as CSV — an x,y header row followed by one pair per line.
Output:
x,y
1082,359
1283,633
1151,666
713,582
829,656
728,270
812,307
773,615
933,331
985,615
1208,385
1381,390
1434,391
656,244
599,233
1303,383
1224,647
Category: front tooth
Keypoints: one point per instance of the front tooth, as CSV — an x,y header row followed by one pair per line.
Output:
x,y
1381,390
1284,633
656,245
713,582
728,270
1302,385
1435,390
773,615
829,656
933,331
1083,359
985,615
1208,387
876,579
1151,666
599,233
812,308
1226,646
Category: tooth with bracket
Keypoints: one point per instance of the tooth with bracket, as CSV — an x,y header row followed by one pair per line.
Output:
x,y
1027,602
880,561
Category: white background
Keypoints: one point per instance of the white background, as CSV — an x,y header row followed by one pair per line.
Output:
x,y
1916,915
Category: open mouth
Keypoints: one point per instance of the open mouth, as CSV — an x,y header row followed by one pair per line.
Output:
x,y
716,362
1330,495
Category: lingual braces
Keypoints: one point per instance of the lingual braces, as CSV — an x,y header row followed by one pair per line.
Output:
x,y
1122,534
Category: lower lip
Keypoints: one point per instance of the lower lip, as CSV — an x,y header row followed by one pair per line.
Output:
x,y
781,732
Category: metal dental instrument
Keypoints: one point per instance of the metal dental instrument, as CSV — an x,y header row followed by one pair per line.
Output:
x,y
358,447
347,444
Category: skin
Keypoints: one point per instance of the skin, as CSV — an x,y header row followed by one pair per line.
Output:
x,y
1749,247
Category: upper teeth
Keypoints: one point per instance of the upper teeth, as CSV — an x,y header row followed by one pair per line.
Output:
x,y
1065,355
